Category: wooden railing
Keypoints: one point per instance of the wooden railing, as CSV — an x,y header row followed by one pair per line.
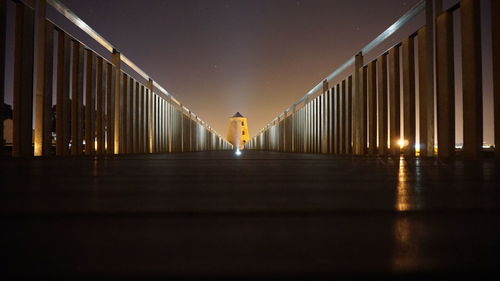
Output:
x,y
360,114
99,108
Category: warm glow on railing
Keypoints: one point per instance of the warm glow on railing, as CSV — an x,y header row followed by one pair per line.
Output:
x,y
403,143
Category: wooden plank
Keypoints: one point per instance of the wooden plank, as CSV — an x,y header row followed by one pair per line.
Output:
x,y
77,98
426,90
110,108
90,95
23,81
445,82
48,89
3,31
162,124
382,104
324,124
343,109
100,107
472,81
44,31
337,119
316,125
155,123
394,101
363,110
372,107
142,120
130,136
409,95
117,104
349,115
495,23
357,108
123,118
137,123
62,94
149,110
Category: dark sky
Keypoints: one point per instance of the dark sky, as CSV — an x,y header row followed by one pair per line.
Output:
x,y
252,56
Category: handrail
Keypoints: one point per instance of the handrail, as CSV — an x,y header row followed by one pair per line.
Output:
x,y
72,17
410,14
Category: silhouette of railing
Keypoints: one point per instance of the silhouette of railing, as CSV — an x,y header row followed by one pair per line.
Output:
x,y
361,115
99,108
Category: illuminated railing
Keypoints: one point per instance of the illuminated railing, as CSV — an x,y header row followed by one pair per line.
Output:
x,y
115,114
360,114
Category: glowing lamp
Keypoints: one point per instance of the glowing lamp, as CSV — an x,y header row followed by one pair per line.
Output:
x,y
402,143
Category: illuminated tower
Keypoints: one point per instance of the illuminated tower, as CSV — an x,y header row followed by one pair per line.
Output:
x,y
237,133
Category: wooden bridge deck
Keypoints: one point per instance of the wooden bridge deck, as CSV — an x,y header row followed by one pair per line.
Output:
x,y
260,216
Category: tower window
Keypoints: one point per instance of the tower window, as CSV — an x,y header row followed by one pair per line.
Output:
x,y
243,132
242,123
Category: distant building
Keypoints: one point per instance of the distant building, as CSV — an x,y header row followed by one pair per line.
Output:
x,y
237,133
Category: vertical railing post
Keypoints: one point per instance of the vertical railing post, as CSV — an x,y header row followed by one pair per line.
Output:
x,y
149,98
349,115
315,131
154,123
495,29
23,81
3,30
142,122
63,117
155,118
110,108
43,83
306,125
130,116
426,81
372,107
77,98
338,122
90,94
394,101
472,78
135,118
170,123
409,95
333,114
324,133
341,107
445,85
315,126
357,106
124,134
382,103
115,144
160,124
364,109
100,107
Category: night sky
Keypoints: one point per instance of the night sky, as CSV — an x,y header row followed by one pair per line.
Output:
x,y
255,56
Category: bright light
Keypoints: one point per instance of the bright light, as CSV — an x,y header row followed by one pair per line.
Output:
x,y
238,152
402,143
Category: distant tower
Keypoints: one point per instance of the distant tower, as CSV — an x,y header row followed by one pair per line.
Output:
x,y
237,133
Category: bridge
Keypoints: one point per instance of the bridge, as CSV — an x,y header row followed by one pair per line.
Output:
x,y
115,178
